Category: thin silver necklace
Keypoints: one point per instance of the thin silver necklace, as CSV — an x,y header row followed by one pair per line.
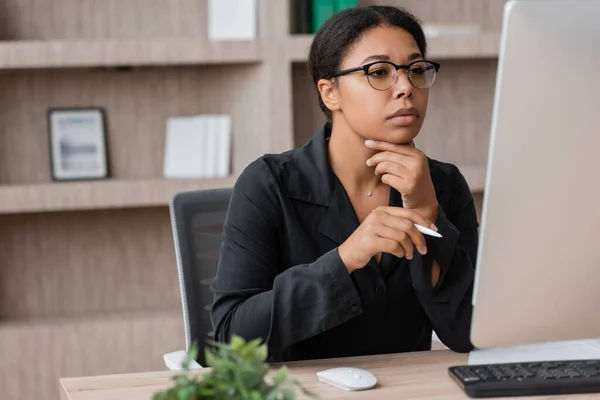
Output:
x,y
369,193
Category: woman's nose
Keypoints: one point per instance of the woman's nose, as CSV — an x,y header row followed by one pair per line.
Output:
x,y
402,87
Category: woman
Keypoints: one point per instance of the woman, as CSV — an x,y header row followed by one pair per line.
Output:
x,y
320,255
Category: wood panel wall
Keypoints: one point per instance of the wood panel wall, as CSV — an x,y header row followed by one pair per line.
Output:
x,y
78,264
36,355
101,19
486,13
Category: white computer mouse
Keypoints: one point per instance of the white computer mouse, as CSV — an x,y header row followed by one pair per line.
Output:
x,y
348,378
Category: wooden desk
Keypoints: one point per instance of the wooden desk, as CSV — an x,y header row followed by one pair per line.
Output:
x,y
421,375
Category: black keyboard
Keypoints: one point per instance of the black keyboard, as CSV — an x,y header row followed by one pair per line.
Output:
x,y
528,379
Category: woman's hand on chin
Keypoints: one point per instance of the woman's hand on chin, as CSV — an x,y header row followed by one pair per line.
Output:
x,y
406,169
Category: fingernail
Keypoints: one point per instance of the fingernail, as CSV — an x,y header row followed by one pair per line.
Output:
x,y
435,228
409,257
423,250
369,143
369,162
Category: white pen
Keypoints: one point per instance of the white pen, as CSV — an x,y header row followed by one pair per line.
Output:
x,y
427,231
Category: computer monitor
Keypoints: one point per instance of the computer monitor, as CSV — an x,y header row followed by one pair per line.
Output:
x,y
538,268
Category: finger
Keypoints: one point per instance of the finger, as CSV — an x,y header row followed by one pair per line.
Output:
x,y
401,184
397,176
408,227
398,236
405,149
389,246
390,167
405,213
383,156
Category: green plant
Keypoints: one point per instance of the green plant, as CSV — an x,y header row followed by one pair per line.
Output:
x,y
238,371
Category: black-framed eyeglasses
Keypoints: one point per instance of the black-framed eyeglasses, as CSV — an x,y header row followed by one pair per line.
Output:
x,y
382,75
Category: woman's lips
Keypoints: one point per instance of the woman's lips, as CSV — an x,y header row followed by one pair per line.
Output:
x,y
403,120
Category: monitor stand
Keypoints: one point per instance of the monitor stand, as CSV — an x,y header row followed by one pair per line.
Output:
x,y
588,349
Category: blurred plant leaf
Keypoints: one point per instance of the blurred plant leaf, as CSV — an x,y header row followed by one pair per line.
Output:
x,y
288,394
281,375
238,372
210,358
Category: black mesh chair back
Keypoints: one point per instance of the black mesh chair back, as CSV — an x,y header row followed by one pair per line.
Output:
x,y
197,219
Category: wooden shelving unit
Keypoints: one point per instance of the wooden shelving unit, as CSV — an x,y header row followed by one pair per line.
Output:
x,y
114,53
88,282
97,195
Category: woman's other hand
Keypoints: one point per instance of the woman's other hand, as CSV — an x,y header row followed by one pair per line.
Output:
x,y
385,230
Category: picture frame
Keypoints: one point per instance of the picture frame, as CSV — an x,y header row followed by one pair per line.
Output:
x,y
78,148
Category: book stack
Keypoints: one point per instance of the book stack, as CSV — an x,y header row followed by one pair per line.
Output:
x,y
309,15
198,147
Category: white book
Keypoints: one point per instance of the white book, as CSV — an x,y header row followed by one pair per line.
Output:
x,y
184,146
209,152
217,152
198,147
232,19
223,149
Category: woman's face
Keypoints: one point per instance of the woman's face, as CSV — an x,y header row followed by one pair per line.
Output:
x,y
370,112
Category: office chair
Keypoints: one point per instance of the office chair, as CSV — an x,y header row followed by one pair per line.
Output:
x,y
197,220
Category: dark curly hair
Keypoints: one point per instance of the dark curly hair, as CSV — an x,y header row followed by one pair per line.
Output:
x,y
336,36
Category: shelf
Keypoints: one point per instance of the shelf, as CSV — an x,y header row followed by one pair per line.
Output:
x,y
73,196
115,53
475,176
484,45
91,195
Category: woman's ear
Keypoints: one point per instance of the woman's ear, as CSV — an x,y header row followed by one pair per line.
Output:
x,y
329,94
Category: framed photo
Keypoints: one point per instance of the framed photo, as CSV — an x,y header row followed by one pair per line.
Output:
x,y
77,143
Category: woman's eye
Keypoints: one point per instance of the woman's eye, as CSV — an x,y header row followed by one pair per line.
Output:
x,y
378,73
417,71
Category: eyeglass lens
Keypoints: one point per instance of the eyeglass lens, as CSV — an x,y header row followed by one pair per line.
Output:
x,y
382,76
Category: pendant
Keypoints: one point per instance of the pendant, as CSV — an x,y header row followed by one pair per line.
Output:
x,y
369,193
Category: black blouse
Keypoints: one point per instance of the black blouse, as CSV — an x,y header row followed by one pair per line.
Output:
x,y
280,277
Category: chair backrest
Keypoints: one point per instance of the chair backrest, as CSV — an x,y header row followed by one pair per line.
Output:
x,y
197,219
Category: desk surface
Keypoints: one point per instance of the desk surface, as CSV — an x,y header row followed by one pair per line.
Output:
x,y
400,376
